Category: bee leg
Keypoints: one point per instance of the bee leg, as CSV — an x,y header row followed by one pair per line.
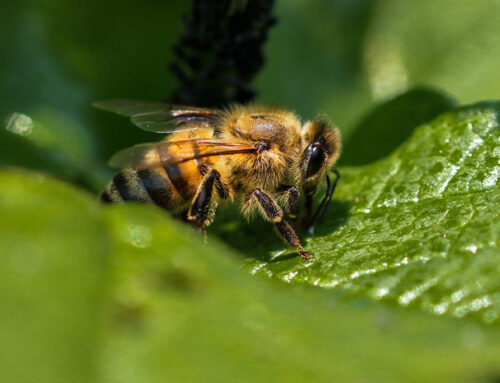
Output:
x,y
202,205
293,202
308,205
272,212
325,202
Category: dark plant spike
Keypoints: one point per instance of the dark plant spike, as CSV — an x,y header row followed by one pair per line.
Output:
x,y
220,51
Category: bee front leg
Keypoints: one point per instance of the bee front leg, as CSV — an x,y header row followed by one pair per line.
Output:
x,y
202,206
293,202
271,211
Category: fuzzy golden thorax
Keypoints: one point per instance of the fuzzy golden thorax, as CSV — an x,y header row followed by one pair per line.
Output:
x,y
275,132
321,137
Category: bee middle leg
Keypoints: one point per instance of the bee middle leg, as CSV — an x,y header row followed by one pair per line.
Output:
x,y
203,205
271,211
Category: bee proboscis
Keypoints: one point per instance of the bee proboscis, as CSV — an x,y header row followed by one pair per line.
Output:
x,y
257,156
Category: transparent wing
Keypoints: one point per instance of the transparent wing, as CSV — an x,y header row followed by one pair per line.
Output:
x,y
166,153
129,108
162,117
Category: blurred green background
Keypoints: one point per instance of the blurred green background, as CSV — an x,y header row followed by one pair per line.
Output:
x,y
339,57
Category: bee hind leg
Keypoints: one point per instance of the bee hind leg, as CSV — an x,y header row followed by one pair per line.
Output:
x,y
203,204
271,211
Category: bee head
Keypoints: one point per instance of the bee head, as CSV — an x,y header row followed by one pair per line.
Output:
x,y
275,136
321,148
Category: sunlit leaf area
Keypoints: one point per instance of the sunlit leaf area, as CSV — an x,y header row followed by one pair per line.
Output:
x,y
404,280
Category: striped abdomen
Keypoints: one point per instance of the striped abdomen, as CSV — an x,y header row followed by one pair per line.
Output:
x,y
169,187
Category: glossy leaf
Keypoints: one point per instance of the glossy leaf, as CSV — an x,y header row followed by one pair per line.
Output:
x,y
125,294
419,228
389,124
184,311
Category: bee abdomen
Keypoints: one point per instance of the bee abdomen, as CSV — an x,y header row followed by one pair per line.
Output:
x,y
110,194
145,186
159,188
126,186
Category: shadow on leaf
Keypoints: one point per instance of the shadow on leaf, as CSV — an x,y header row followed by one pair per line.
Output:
x,y
388,125
258,239
337,216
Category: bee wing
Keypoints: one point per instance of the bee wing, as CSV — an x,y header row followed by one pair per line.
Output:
x,y
161,117
167,153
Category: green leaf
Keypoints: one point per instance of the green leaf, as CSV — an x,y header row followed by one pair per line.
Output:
x,y
388,125
53,268
186,312
420,228
124,294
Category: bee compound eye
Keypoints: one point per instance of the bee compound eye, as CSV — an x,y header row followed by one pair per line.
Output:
x,y
316,161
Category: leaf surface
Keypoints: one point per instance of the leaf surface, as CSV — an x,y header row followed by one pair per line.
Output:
x,y
124,294
53,272
419,228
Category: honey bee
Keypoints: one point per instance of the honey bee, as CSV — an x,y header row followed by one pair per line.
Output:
x,y
257,156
